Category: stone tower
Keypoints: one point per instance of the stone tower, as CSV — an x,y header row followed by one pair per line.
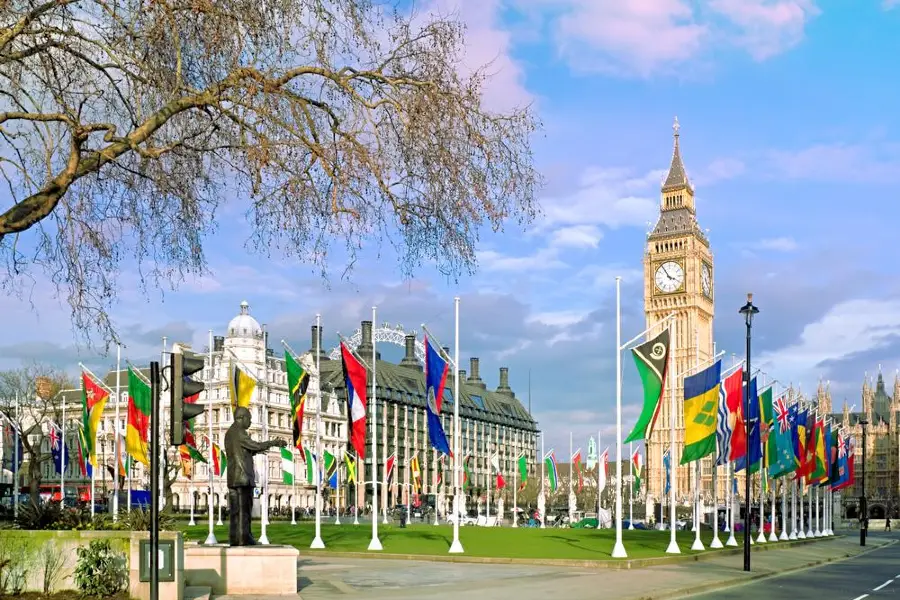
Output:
x,y
678,276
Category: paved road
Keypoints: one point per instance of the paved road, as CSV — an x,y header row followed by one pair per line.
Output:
x,y
872,576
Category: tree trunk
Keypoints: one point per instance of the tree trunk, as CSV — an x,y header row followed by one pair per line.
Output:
x,y
34,486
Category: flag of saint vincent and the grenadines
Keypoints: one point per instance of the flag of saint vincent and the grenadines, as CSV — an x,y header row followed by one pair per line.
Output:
x,y
298,382
652,361
355,380
701,404
436,369
752,416
241,386
137,431
93,400
819,473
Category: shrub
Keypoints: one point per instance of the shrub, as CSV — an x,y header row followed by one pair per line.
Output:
x,y
100,571
51,560
40,516
15,560
139,520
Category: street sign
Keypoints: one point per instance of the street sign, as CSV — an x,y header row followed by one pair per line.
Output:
x,y
165,561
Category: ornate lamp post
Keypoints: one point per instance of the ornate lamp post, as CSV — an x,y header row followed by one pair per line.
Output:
x,y
863,508
748,310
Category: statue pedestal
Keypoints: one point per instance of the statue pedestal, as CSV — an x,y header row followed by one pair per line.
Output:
x,y
258,570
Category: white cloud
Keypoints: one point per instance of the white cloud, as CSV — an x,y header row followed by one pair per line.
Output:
x,y
645,37
720,170
859,163
559,318
781,244
611,197
577,236
848,328
493,261
487,44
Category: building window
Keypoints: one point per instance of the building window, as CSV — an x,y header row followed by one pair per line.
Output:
x,y
478,400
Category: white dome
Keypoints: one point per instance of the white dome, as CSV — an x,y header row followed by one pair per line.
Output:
x,y
244,325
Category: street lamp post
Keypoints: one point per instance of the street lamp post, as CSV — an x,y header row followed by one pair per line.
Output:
x,y
748,310
863,508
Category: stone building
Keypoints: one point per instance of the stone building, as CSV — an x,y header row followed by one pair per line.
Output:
x,y
492,421
880,410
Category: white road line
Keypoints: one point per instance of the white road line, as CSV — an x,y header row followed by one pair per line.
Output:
x,y
861,597
883,585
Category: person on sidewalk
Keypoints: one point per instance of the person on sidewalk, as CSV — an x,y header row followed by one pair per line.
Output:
x,y
887,524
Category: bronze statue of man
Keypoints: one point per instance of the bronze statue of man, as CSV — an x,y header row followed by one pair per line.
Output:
x,y
239,449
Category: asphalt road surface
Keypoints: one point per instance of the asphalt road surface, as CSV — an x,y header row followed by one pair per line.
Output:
x,y
869,576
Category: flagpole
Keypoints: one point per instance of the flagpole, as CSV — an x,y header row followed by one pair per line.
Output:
x,y
698,483
337,492
161,456
730,471
619,547
356,490
631,495
211,536
599,491
193,470
515,518
436,484
221,441
793,535
672,377
374,543
716,542
456,547
62,459
317,543
117,452
544,509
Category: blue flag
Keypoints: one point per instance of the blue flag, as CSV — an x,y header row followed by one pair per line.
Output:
x,y
58,448
667,463
435,378
752,413
14,452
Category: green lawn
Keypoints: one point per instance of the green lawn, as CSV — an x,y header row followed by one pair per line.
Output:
x,y
578,544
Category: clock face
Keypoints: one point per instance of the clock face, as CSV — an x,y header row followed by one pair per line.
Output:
x,y
706,280
669,277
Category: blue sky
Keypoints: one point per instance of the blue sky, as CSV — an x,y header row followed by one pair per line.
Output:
x,y
790,135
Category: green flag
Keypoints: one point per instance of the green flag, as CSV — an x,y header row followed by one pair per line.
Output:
x,y
651,359
523,472
287,466
767,421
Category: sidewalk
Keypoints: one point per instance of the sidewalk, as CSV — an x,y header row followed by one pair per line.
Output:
x,y
331,577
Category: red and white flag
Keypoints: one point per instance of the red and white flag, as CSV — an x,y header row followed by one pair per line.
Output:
x,y
355,380
495,463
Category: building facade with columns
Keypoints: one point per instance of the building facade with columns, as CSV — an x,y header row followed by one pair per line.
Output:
x,y
492,422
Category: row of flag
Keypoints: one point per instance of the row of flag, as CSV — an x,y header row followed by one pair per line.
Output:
x,y
786,437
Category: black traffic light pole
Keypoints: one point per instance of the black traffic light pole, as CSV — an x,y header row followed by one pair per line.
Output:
x,y
154,480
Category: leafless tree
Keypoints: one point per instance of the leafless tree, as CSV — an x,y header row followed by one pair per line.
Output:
x,y
126,124
35,387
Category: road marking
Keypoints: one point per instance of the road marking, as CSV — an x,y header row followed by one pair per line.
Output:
x,y
861,597
883,585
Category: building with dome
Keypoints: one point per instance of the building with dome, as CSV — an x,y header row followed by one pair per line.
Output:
x,y
493,422
244,343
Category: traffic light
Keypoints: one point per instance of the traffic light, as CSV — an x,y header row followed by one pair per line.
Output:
x,y
183,364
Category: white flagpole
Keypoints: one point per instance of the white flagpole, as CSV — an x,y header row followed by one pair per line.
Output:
x,y
515,518
17,458
698,543
599,491
356,490
374,543
317,543
490,473
436,485
337,492
619,547
221,470
544,510
456,547
294,486
730,472
193,472
118,451
673,480
211,536
716,542
793,535
631,495
62,459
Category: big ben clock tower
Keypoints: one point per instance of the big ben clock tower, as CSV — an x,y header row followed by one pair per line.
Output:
x,y
678,277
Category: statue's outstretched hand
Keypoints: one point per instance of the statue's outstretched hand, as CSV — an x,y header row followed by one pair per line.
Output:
x,y
279,443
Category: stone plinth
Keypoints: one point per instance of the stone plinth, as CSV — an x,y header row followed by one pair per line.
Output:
x,y
262,570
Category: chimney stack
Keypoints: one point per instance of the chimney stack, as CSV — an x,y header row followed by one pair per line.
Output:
x,y
409,358
462,375
366,348
504,388
446,350
316,338
475,378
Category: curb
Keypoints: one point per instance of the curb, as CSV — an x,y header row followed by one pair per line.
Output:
x,y
637,563
752,577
